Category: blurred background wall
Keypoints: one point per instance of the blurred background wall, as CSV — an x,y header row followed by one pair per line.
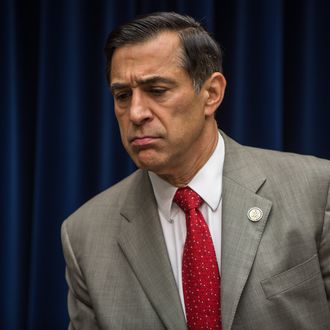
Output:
x,y
59,142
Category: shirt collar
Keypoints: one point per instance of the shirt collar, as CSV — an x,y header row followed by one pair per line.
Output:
x,y
207,183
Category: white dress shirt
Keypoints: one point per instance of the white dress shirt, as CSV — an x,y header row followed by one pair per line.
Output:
x,y
208,184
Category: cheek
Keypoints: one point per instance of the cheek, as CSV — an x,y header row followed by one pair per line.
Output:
x,y
187,107
123,129
185,117
187,126
122,122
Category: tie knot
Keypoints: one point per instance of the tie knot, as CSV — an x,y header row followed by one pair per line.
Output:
x,y
187,199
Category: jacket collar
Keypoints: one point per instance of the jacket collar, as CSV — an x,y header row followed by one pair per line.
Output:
x,y
142,241
242,179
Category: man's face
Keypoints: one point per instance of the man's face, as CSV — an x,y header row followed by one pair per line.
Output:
x,y
161,118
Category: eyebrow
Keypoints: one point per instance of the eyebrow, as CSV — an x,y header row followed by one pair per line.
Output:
x,y
144,81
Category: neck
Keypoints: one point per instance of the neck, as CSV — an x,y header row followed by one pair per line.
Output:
x,y
185,173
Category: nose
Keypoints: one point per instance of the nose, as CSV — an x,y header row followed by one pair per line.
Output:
x,y
140,111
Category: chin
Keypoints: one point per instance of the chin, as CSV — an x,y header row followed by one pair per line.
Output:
x,y
148,160
150,165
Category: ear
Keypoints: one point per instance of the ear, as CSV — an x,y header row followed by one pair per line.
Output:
x,y
214,89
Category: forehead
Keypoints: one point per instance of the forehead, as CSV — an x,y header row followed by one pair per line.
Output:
x,y
159,54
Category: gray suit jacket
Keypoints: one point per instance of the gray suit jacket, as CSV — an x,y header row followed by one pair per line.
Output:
x,y
275,272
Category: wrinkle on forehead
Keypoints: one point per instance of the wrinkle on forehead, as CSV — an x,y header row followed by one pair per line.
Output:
x,y
152,57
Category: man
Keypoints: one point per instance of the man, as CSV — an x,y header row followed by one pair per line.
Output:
x,y
260,232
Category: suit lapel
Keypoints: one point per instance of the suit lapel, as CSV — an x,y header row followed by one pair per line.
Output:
x,y
141,239
240,237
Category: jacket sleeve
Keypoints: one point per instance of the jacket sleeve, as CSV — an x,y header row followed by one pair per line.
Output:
x,y
324,250
80,309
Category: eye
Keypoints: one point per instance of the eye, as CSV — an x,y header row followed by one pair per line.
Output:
x,y
122,96
157,91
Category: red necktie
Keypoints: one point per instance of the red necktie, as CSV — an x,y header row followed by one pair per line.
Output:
x,y
200,273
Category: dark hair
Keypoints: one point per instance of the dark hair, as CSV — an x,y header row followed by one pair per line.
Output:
x,y
201,53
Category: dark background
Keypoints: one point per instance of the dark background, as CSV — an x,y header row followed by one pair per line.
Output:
x,y
59,140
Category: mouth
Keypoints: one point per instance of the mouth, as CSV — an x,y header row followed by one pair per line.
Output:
x,y
143,141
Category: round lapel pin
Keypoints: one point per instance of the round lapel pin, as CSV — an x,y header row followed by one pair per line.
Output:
x,y
254,214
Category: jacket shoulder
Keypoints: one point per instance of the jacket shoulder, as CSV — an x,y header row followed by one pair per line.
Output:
x,y
294,179
284,164
105,206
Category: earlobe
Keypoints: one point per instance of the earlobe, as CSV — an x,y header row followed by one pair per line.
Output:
x,y
215,87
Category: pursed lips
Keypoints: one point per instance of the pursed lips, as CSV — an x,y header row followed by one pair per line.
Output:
x,y
142,140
